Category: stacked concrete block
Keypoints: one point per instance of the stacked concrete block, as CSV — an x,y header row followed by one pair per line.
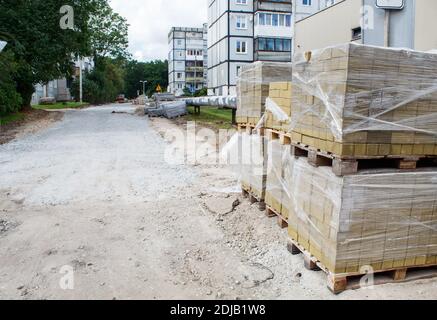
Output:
x,y
253,164
274,186
253,88
384,219
355,100
278,111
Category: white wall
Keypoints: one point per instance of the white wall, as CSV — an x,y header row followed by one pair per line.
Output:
x,y
426,25
328,27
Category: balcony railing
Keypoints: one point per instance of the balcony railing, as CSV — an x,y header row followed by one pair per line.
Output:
x,y
194,69
194,80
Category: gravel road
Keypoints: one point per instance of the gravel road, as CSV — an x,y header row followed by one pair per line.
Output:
x,y
89,209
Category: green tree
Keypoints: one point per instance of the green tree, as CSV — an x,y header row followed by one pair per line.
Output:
x,y
104,83
44,51
154,72
10,100
109,32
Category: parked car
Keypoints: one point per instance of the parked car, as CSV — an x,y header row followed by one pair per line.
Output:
x,y
121,98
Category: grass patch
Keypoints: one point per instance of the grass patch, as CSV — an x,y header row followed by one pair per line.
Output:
x,y
215,117
60,105
10,118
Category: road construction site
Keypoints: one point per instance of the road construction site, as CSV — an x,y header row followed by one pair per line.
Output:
x,y
92,194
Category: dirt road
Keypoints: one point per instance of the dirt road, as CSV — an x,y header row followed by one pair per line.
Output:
x,y
89,209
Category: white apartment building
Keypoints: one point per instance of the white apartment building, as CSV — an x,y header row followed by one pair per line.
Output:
x,y
187,59
244,31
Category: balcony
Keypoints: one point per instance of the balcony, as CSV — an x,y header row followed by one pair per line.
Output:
x,y
194,69
274,5
195,80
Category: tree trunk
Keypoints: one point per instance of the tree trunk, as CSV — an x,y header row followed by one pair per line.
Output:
x,y
25,89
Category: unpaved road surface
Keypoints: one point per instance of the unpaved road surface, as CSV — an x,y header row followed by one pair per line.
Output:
x,y
89,209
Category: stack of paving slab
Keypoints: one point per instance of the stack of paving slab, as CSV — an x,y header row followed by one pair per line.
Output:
x,y
253,88
354,102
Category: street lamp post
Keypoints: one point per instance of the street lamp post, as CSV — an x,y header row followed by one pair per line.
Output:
x,y
80,80
144,86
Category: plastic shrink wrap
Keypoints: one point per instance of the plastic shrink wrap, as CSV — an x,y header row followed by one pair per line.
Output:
x,y
353,101
356,100
253,86
385,219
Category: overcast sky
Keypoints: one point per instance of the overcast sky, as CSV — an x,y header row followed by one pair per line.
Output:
x,y
151,20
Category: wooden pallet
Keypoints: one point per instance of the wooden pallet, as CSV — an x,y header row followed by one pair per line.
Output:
x,y
272,213
249,129
338,283
342,166
254,199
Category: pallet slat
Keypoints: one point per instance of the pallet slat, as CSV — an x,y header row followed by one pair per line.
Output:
x,y
338,283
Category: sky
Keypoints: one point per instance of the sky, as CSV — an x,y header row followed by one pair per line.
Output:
x,y
150,22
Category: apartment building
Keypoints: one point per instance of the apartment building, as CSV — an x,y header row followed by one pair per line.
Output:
x,y
409,25
187,59
59,89
244,31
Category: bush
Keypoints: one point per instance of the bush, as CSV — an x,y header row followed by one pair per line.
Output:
x,y
201,93
101,85
10,100
91,91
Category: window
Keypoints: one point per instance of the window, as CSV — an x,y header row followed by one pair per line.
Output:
x,y
275,20
287,45
238,71
356,34
241,47
262,19
241,1
281,20
179,42
306,2
279,45
329,3
241,22
270,44
288,20
262,44
178,75
268,19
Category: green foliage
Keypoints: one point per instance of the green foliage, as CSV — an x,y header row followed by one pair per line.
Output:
x,y
11,118
211,117
10,100
201,93
61,105
103,84
187,92
154,72
109,32
43,51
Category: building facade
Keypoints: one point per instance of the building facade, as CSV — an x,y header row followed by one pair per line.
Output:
x,y
245,31
361,21
187,59
59,89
